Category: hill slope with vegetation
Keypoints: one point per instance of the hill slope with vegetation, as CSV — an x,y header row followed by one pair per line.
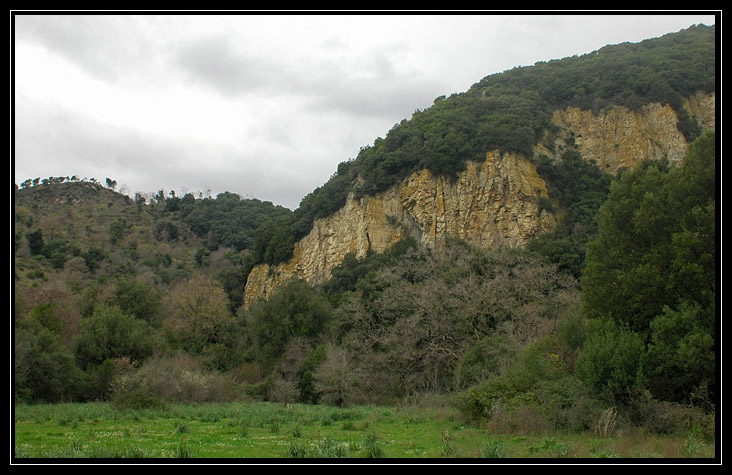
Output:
x,y
608,322
509,112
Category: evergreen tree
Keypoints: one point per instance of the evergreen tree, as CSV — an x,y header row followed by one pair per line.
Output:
x,y
651,268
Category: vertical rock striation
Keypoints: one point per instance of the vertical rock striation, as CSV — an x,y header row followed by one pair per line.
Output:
x,y
495,201
491,202
619,137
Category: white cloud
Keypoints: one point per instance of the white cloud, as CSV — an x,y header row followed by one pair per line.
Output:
x,y
264,106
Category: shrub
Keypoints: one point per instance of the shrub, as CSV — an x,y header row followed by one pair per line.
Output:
x,y
371,447
534,393
610,362
174,379
607,422
44,368
295,310
111,333
131,397
281,389
493,450
567,404
484,359
664,417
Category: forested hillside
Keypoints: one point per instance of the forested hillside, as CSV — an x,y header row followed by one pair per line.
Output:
x,y
610,317
511,112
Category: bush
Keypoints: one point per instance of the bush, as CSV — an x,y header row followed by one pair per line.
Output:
x,y
484,359
664,417
610,362
111,333
179,378
294,311
282,390
534,393
127,397
567,404
44,368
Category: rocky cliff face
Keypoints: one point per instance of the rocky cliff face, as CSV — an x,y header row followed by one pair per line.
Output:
x,y
619,137
490,202
496,201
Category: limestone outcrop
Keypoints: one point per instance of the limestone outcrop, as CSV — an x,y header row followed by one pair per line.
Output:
x,y
494,201
619,137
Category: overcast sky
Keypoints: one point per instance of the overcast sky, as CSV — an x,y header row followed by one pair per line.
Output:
x,y
262,106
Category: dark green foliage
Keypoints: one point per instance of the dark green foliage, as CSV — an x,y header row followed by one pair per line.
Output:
x,y
661,70
354,275
681,355
655,242
233,279
228,220
93,257
294,311
274,242
323,201
35,241
117,231
580,188
651,267
137,299
304,375
534,392
58,251
45,314
202,256
44,370
111,333
167,231
611,362
99,379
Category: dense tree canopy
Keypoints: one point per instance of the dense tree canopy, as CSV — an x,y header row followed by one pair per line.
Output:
x,y
651,267
294,311
579,188
227,220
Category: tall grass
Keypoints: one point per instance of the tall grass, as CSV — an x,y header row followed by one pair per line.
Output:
x,y
269,430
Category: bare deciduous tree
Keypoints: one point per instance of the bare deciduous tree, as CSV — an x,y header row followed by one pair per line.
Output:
x,y
435,305
196,311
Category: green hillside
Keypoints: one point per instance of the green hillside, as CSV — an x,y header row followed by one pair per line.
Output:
x,y
606,326
510,111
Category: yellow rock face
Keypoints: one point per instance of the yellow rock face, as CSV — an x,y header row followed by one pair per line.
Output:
x,y
495,201
702,108
619,137
492,202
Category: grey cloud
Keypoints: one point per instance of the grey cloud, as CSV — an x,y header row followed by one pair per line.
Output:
x,y
62,143
370,86
214,62
366,98
99,44
65,143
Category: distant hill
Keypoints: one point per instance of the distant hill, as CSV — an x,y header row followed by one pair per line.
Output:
x,y
89,230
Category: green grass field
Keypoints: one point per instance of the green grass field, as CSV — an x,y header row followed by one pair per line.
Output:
x,y
276,431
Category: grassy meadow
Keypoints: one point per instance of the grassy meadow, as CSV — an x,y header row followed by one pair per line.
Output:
x,y
278,431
